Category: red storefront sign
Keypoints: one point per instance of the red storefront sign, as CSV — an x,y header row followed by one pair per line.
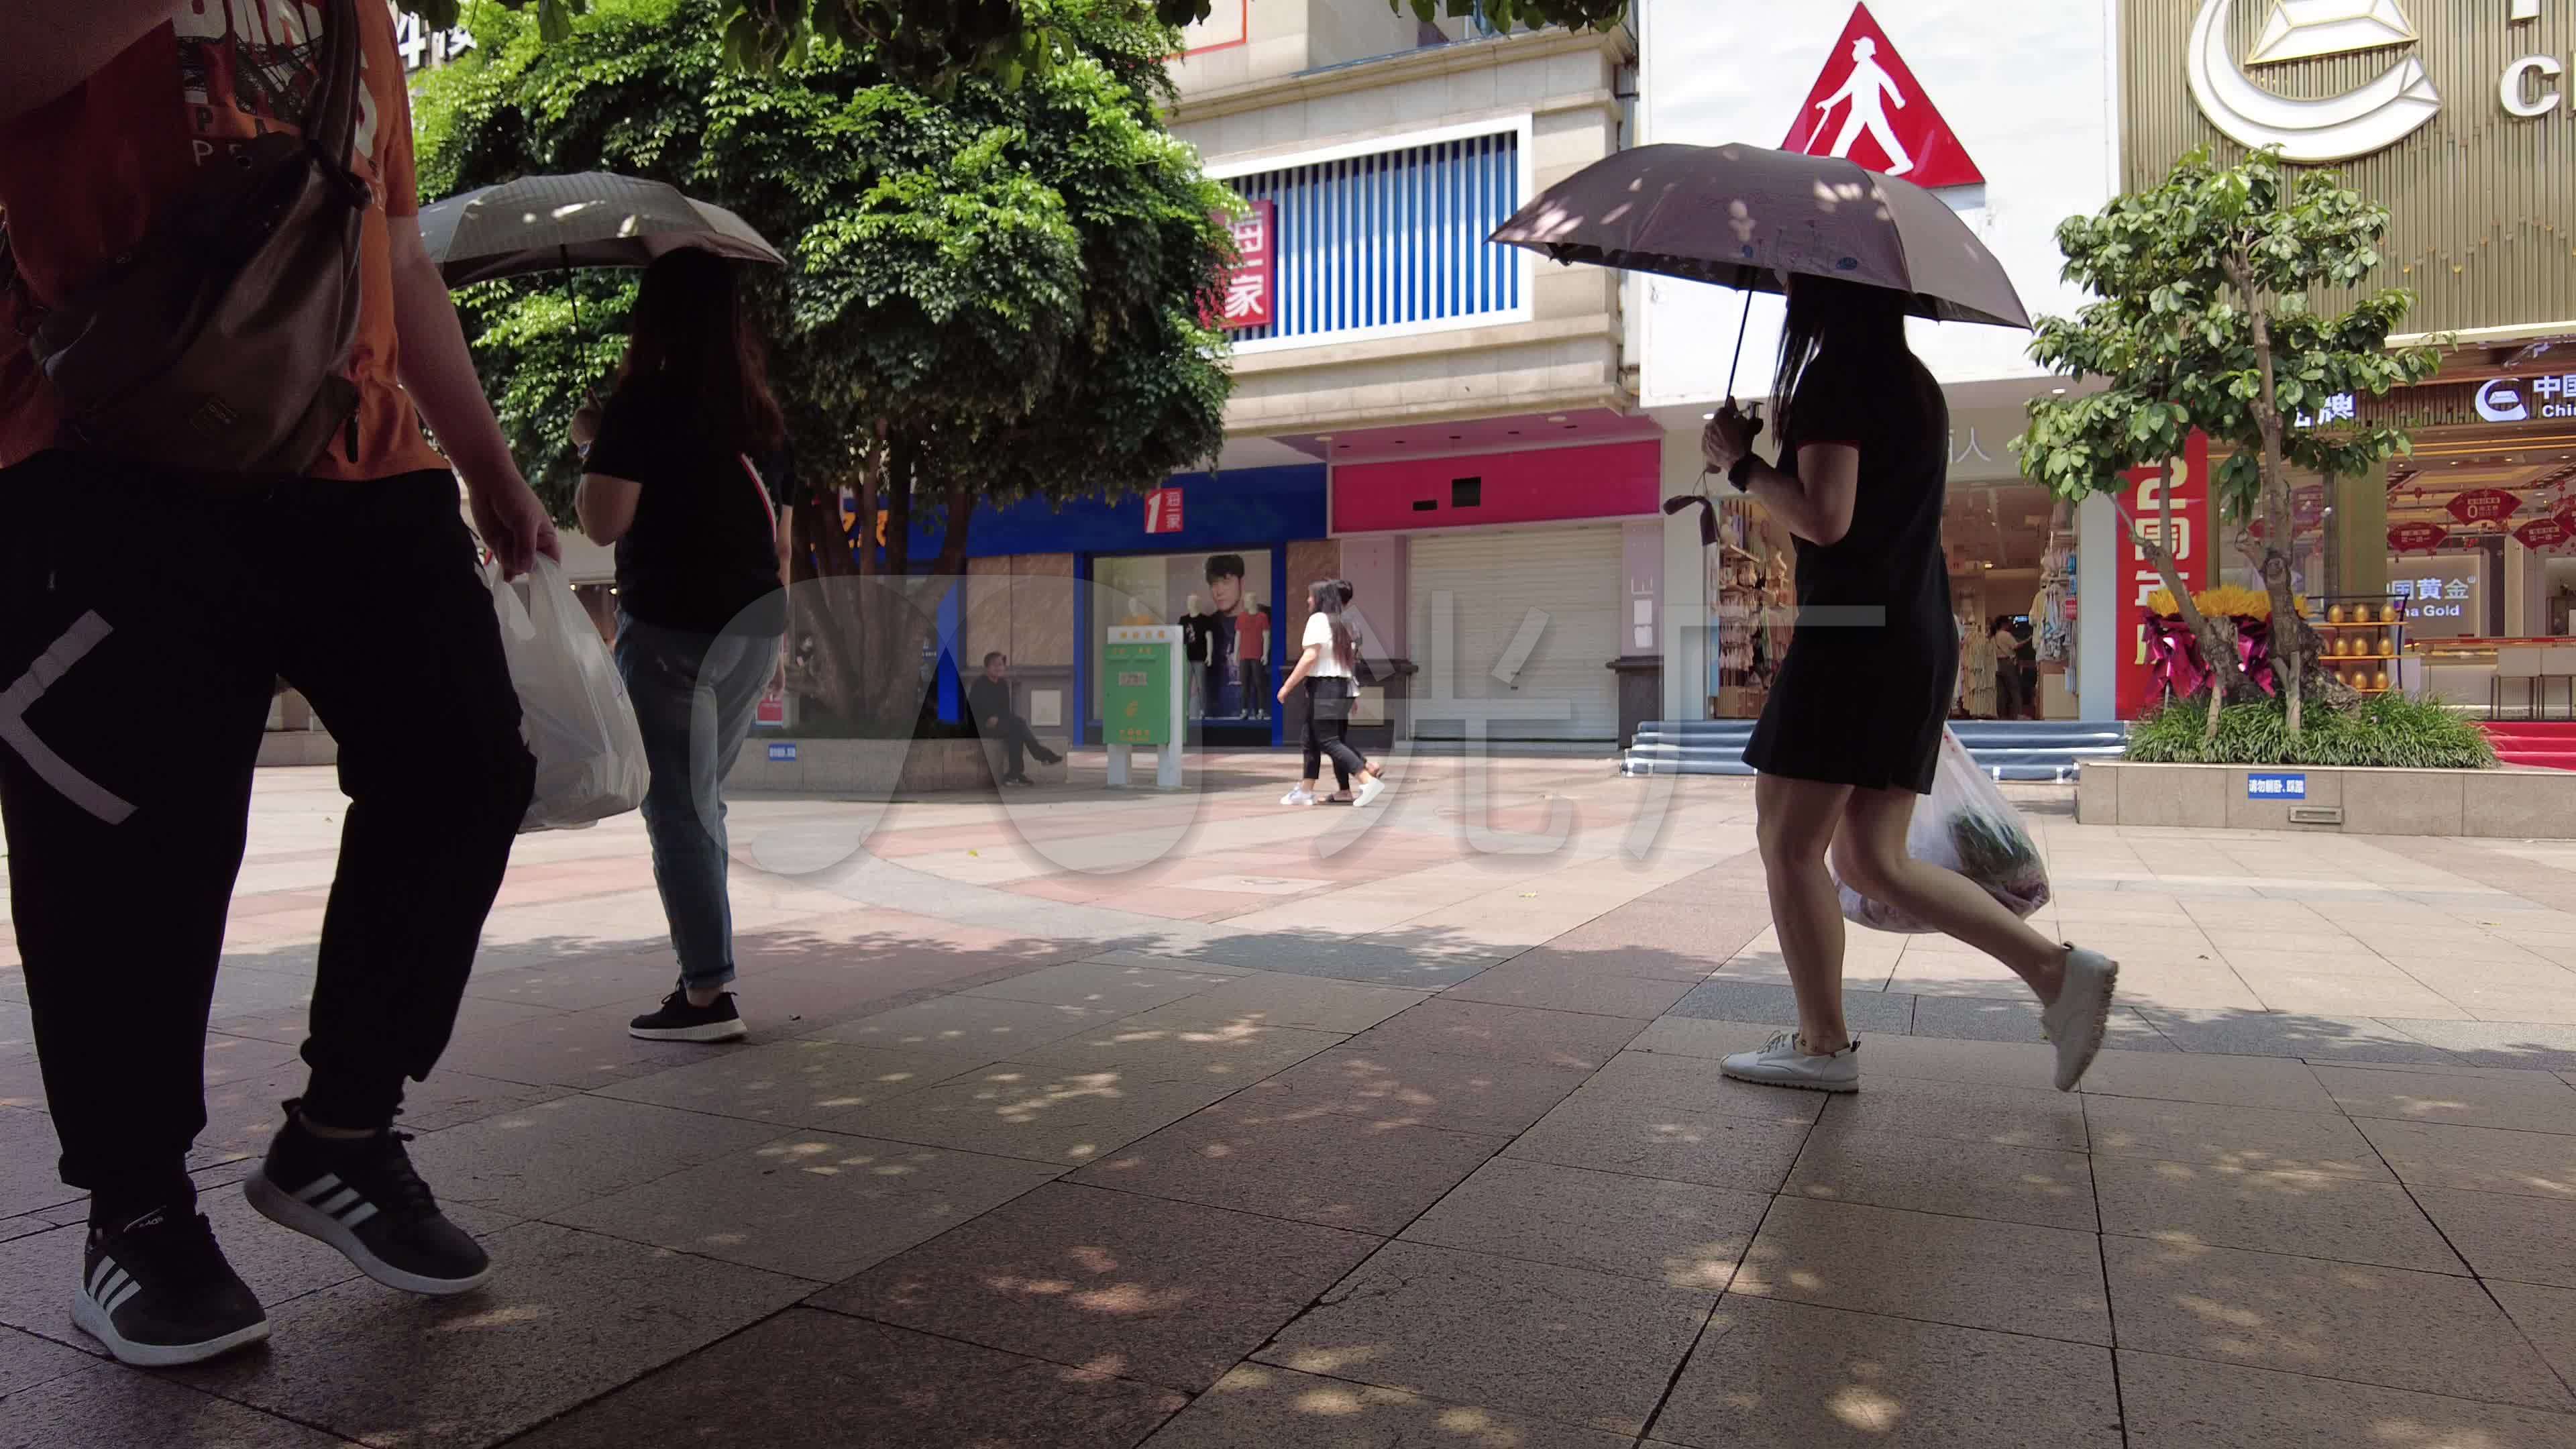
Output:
x,y
2410,537
2484,505
2190,543
2547,532
1867,107
1251,288
1163,511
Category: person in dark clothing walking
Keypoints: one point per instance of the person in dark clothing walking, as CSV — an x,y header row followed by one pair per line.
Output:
x,y
1328,666
989,699
132,699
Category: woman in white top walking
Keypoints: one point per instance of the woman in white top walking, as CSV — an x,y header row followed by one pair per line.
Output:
x,y
1328,670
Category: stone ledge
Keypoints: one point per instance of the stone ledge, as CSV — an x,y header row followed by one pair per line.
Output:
x,y
2507,803
877,767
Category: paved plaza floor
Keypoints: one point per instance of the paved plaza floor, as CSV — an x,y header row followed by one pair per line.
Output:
x,y
1079,1121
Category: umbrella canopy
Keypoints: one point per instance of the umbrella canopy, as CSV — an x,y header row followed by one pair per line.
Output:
x,y
1737,216
589,219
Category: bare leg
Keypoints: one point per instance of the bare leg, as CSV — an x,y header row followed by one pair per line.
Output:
x,y
1869,854
1796,820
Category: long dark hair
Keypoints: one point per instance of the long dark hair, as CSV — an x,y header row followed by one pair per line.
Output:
x,y
1844,321
690,328
1326,597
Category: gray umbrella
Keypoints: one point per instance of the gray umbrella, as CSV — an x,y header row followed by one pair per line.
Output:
x,y
1737,216
589,219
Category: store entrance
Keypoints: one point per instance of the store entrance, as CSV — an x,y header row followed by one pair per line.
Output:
x,y
2011,555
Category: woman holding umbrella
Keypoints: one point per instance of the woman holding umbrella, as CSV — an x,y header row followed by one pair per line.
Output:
x,y
1849,738
669,480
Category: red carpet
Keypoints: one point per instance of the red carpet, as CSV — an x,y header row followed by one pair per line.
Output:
x,y
2548,743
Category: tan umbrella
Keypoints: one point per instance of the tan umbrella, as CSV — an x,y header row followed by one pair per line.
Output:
x,y
1741,216
588,219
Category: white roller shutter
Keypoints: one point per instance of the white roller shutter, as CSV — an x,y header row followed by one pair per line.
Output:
x,y
1545,600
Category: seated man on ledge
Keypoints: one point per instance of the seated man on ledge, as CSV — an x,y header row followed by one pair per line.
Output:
x,y
989,699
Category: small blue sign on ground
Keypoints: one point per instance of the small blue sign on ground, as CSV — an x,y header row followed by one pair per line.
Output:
x,y
2276,787
780,754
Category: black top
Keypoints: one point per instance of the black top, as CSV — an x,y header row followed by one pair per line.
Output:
x,y
1868,679
1195,631
702,554
988,699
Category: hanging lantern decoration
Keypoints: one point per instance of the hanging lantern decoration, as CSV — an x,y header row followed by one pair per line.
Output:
x,y
2414,537
2484,505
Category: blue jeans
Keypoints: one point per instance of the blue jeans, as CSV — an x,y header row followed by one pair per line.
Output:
x,y
694,696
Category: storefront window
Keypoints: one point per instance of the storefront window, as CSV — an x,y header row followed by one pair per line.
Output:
x,y
2011,549
1225,604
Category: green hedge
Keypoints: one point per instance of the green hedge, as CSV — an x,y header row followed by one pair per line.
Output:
x,y
2388,730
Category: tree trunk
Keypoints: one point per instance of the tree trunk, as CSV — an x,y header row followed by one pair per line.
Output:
x,y
2293,642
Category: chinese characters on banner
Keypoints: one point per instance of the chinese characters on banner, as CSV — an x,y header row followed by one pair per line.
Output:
x,y
1163,511
2190,542
1251,287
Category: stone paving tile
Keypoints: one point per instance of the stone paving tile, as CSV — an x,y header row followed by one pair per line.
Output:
x,y
1308,1003
1040,1113
27,1164
2493,1043
565,1049
1962,1111
1330,1168
2533,1102
1506,1033
814,1204
2275,1034
1584,988
1694,1084
1678,1233
568,1316
1276,1408
2477,1159
1158,1291
2175,1403
1531,1338
971,1029
809,1380
2010,1277
1714,1149
2422,1331
2322,1214
2249,1138
562,1153
2503,1235
1864,1012
1703,1039
26,1361
1977,1063
1846,1163
106,1405
576,983
2019,1021
1104,986
2546,1316
243,1115
1407,1087
1184,1041
1777,1375
805,1083
2276,1083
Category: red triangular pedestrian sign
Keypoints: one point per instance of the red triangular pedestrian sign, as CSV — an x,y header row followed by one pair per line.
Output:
x,y
1867,106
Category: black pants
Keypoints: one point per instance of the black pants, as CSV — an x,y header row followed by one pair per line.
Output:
x,y
143,623
1018,743
1328,727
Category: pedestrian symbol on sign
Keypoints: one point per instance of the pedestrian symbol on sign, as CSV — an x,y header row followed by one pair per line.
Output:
x,y
1866,107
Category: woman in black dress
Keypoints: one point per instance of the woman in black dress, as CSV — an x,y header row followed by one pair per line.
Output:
x,y
1849,739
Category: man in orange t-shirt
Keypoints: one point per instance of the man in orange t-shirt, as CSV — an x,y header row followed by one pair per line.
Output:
x,y
145,615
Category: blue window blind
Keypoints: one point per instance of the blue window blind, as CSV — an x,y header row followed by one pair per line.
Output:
x,y
1391,239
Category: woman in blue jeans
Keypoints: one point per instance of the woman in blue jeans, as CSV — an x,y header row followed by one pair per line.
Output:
x,y
669,479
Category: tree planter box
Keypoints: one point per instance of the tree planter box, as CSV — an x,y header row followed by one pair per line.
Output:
x,y
2508,803
874,767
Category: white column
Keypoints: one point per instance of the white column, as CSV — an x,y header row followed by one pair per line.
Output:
x,y
2098,551
1685,611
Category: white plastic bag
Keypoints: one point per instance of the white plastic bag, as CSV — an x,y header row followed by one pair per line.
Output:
x,y
1965,825
573,709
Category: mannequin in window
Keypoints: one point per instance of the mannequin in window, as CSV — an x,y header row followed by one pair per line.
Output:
x,y
1196,634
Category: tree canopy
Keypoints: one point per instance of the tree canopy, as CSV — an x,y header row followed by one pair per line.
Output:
x,y
931,43
2218,294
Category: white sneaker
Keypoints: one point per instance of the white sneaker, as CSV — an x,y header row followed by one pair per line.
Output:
x,y
1782,1062
2076,1020
1299,796
1370,789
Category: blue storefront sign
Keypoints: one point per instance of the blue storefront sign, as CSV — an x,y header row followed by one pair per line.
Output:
x,y
2276,787
782,752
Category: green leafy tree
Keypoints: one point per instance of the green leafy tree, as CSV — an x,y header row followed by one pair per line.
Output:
x,y
992,295
2212,315
931,43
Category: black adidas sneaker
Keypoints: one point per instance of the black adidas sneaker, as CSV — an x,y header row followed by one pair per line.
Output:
x,y
677,1020
362,1197
158,1292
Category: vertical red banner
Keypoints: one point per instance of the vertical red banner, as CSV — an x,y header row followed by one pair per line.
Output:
x,y
2194,550
1251,289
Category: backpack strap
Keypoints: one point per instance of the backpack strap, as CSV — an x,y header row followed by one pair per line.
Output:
x,y
333,121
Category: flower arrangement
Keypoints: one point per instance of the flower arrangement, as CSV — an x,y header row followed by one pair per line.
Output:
x,y
2223,601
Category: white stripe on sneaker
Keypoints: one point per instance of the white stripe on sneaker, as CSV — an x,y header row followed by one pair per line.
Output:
x,y
99,1275
339,1202
357,1215
327,1182
128,1291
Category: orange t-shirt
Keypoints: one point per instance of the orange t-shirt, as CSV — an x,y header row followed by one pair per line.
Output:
x,y
81,178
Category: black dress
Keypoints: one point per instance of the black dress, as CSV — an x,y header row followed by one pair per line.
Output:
x,y
1861,698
